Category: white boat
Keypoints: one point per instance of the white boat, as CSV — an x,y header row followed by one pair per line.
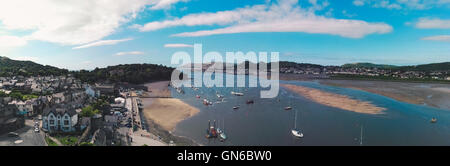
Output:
x,y
295,131
237,93
221,133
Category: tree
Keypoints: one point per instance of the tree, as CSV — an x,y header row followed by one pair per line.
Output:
x,y
89,111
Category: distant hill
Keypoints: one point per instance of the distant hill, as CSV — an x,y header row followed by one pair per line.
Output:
x,y
368,65
286,64
130,73
9,67
445,66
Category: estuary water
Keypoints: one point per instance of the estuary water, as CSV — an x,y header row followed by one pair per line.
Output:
x,y
267,123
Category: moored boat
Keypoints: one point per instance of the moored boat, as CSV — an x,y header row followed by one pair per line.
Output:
x,y
433,120
237,93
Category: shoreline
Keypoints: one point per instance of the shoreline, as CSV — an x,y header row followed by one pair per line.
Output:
x,y
163,113
335,100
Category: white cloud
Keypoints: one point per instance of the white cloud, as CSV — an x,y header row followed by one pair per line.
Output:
x,y
358,2
69,22
103,43
12,41
178,45
436,23
164,4
403,4
444,38
283,16
129,53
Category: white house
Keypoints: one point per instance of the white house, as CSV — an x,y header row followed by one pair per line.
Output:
x,y
91,91
59,120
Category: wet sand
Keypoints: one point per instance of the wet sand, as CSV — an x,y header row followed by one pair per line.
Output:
x,y
158,89
335,100
168,112
430,94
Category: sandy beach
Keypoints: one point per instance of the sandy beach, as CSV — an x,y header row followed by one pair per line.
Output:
x,y
335,100
163,113
163,110
434,95
168,112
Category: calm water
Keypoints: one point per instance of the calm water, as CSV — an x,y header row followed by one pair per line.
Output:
x,y
267,123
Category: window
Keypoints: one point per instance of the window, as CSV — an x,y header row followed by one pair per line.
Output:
x,y
66,122
52,122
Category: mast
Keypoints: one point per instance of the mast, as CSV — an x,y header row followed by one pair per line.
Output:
x,y
295,120
361,137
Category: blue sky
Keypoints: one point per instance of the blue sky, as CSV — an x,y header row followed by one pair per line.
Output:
x,y
83,34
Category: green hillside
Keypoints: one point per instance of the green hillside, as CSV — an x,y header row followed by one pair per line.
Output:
x,y
9,67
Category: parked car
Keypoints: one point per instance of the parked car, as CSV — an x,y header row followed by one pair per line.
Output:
x,y
36,130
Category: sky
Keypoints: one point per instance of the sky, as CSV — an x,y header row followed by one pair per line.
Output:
x,y
85,34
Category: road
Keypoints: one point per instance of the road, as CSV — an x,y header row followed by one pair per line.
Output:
x,y
141,136
27,134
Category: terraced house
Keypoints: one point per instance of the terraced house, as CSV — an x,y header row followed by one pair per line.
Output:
x,y
59,120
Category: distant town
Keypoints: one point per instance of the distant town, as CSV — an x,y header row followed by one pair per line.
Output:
x,y
430,72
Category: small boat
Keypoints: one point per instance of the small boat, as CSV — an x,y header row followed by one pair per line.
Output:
x,y
197,96
433,120
237,93
236,107
287,108
295,131
207,102
221,133
211,131
219,96
250,102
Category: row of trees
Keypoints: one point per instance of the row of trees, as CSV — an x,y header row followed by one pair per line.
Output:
x,y
132,73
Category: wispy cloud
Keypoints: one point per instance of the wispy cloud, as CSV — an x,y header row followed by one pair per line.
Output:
x,y
102,43
433,23
403,4
280,16
12,41
164,4
178,45
129,53
443,38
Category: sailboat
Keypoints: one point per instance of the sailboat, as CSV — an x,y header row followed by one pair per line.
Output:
x,y
221,132
297,133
